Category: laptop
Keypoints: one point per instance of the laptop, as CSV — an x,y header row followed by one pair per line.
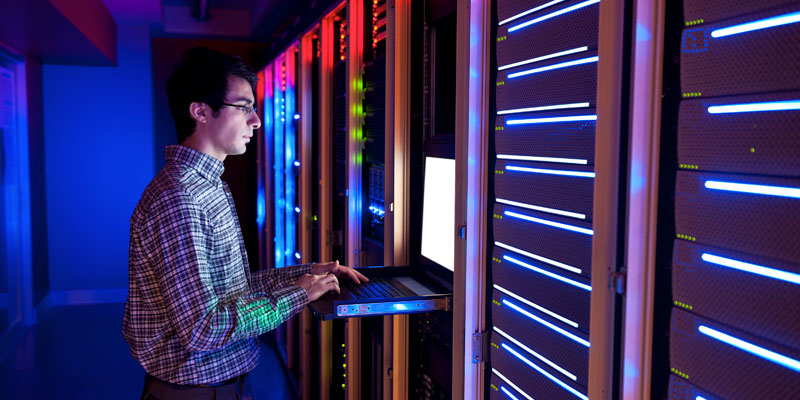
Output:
x,y
425,285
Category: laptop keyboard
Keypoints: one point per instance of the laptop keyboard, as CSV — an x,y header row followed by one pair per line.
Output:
x,y
374,289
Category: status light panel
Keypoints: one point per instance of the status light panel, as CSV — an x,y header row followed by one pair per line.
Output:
x,y
544,182
735,324
287,205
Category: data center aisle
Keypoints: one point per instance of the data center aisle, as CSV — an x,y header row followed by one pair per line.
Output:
x,y
78,352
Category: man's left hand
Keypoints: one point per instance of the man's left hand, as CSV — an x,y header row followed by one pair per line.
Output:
x,y
339,270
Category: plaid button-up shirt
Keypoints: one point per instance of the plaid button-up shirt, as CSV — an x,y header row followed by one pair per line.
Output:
x,y
194,309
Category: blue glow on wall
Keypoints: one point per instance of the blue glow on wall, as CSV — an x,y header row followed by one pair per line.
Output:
x,y
99,158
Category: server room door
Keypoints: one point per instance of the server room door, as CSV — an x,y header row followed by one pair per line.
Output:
x,y
555,168
734,264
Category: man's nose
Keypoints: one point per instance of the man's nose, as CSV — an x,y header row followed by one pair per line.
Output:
x,y
254,121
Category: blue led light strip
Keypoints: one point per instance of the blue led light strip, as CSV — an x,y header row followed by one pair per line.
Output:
x,y
532,10
548,273
546,57
757,25
551,15
545,323
539,258
699,398
542,159
752,268
545,373
534,305
499,375
548,120
535,354
758,351
544,108
550,223
565,64
755,107
579,174
766,190
503,388
542,209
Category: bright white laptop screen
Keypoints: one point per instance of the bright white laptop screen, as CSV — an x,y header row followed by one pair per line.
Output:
x,y
438,211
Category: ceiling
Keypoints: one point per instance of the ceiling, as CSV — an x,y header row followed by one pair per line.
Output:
x,y
256,20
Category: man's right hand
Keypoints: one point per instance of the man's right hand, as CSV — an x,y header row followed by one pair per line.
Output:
x,y
317,285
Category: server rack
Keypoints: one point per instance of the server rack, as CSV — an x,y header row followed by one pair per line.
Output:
x,y
557,153
730,147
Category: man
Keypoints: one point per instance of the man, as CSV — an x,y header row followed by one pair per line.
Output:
x,y
194,310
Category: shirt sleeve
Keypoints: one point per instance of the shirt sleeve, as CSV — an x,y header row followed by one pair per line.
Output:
x,y
270,280
181,235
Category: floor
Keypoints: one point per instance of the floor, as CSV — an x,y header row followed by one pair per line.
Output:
x,y
78,352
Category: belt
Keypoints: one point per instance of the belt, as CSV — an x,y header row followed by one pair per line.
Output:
x,y
201,385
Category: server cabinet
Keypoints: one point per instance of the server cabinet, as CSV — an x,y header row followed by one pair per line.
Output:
x,y
735,262
556,149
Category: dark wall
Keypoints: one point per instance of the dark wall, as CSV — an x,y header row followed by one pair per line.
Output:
x,y
41,271
240,171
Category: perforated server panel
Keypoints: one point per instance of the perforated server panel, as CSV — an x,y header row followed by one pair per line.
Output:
x,y
544,181
735,323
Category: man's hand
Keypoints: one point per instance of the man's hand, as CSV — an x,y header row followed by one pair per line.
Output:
x,y
338,270
317,285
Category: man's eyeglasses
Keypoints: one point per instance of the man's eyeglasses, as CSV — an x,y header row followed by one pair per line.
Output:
x,y
246,109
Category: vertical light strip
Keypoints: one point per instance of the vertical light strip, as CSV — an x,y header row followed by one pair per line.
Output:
x,y
766,190
752,268
506,380
545,323
539,258
535,354
542,58
542,209
536,306
548,273
551,15
758,351
757,25
545,373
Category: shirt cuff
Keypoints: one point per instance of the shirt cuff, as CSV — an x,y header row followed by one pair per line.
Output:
x,y
297,296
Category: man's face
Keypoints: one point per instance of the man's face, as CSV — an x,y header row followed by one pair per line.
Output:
x,y
234,127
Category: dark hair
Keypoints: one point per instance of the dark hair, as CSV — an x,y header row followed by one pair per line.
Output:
x,y
202,77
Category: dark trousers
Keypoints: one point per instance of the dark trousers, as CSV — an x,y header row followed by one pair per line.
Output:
x,y
156,389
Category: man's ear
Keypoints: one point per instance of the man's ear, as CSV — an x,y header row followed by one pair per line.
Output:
x,y
198,112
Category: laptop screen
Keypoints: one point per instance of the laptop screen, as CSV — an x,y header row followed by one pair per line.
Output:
x,y
438,211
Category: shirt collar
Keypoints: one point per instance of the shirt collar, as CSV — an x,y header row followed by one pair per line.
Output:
x,y
206,165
